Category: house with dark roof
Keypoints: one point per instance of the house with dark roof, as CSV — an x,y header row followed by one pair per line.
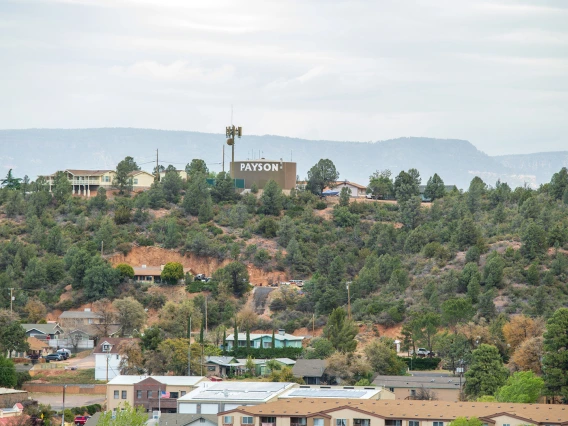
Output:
x,y
43,332
311,371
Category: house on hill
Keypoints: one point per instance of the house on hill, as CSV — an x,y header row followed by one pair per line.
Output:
x,y
445,388
312,371
357,190
281,340
87,182
107,358
152,274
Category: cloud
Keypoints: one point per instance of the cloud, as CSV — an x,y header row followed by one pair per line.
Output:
x,y
175,71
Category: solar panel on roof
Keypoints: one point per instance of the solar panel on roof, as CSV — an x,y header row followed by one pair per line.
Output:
x,y
328,393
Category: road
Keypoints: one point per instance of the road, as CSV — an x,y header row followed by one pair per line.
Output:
x,y
71,400
82,363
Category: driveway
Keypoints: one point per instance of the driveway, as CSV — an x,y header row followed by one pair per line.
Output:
x,y
71,400
82,363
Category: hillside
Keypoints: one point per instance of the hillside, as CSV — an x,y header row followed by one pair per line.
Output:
x,y
446,275
42,151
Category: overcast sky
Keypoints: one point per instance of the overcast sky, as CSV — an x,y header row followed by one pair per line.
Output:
x,y
494,73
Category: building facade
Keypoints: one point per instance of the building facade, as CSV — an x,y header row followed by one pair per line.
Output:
x,y
281,340
154,393
108,358
260,171
341,412
406,387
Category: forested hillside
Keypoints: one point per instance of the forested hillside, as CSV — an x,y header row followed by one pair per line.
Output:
x,y
455,274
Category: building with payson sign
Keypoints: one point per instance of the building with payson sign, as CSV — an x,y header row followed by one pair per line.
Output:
x,y
261,171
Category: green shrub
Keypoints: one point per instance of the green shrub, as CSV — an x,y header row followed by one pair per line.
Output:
x,y
320,205
421,364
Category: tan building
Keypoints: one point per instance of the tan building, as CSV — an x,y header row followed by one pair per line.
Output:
x,y
152,392
262,170
152,274
406,387
87,182
341,412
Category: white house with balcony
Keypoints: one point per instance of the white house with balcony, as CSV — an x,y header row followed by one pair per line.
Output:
x,y
87,182
108,358
257,340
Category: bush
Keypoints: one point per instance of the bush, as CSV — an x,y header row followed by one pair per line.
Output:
x,y
421,364
292,353
21,378
320,205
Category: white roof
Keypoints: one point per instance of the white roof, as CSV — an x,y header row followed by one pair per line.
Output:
x,y
254,336
236,391
347,392
166,380
4,391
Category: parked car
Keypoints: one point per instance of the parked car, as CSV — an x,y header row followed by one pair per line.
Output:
x,y
423,352
200,277
81,420
54,357
64,353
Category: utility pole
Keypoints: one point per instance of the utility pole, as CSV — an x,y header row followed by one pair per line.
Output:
x,y
223,158
230,133
107,357
206,330
11,301
313,325
63,410
157,168
189,350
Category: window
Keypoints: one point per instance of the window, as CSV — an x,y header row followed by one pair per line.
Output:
x,y
90,320
361,422
211,368
341,422
174,395
117,356
106,348
135,181
266,344
298,421
139,394
393,423
242,343
413,423
124,396
246,420
182,393
506,424
440,424
149,394
227,420
318,422
115,394
412,392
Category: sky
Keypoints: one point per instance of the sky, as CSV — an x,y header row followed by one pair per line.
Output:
x,y
491,72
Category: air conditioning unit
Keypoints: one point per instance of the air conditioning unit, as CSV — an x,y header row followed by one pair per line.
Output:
x,y
155,415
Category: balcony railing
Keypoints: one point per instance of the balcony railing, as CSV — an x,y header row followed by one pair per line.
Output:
x,y
87,182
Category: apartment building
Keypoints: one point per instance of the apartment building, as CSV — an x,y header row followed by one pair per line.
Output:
x,y
154,393
341,412
87,182
443,388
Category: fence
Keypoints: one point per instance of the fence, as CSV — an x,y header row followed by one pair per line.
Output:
x,y
71,389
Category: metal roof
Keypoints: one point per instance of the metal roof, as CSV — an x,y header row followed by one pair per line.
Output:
x,y
326,393
236,391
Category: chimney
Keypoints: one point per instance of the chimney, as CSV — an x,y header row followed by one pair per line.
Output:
x,y
281,331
